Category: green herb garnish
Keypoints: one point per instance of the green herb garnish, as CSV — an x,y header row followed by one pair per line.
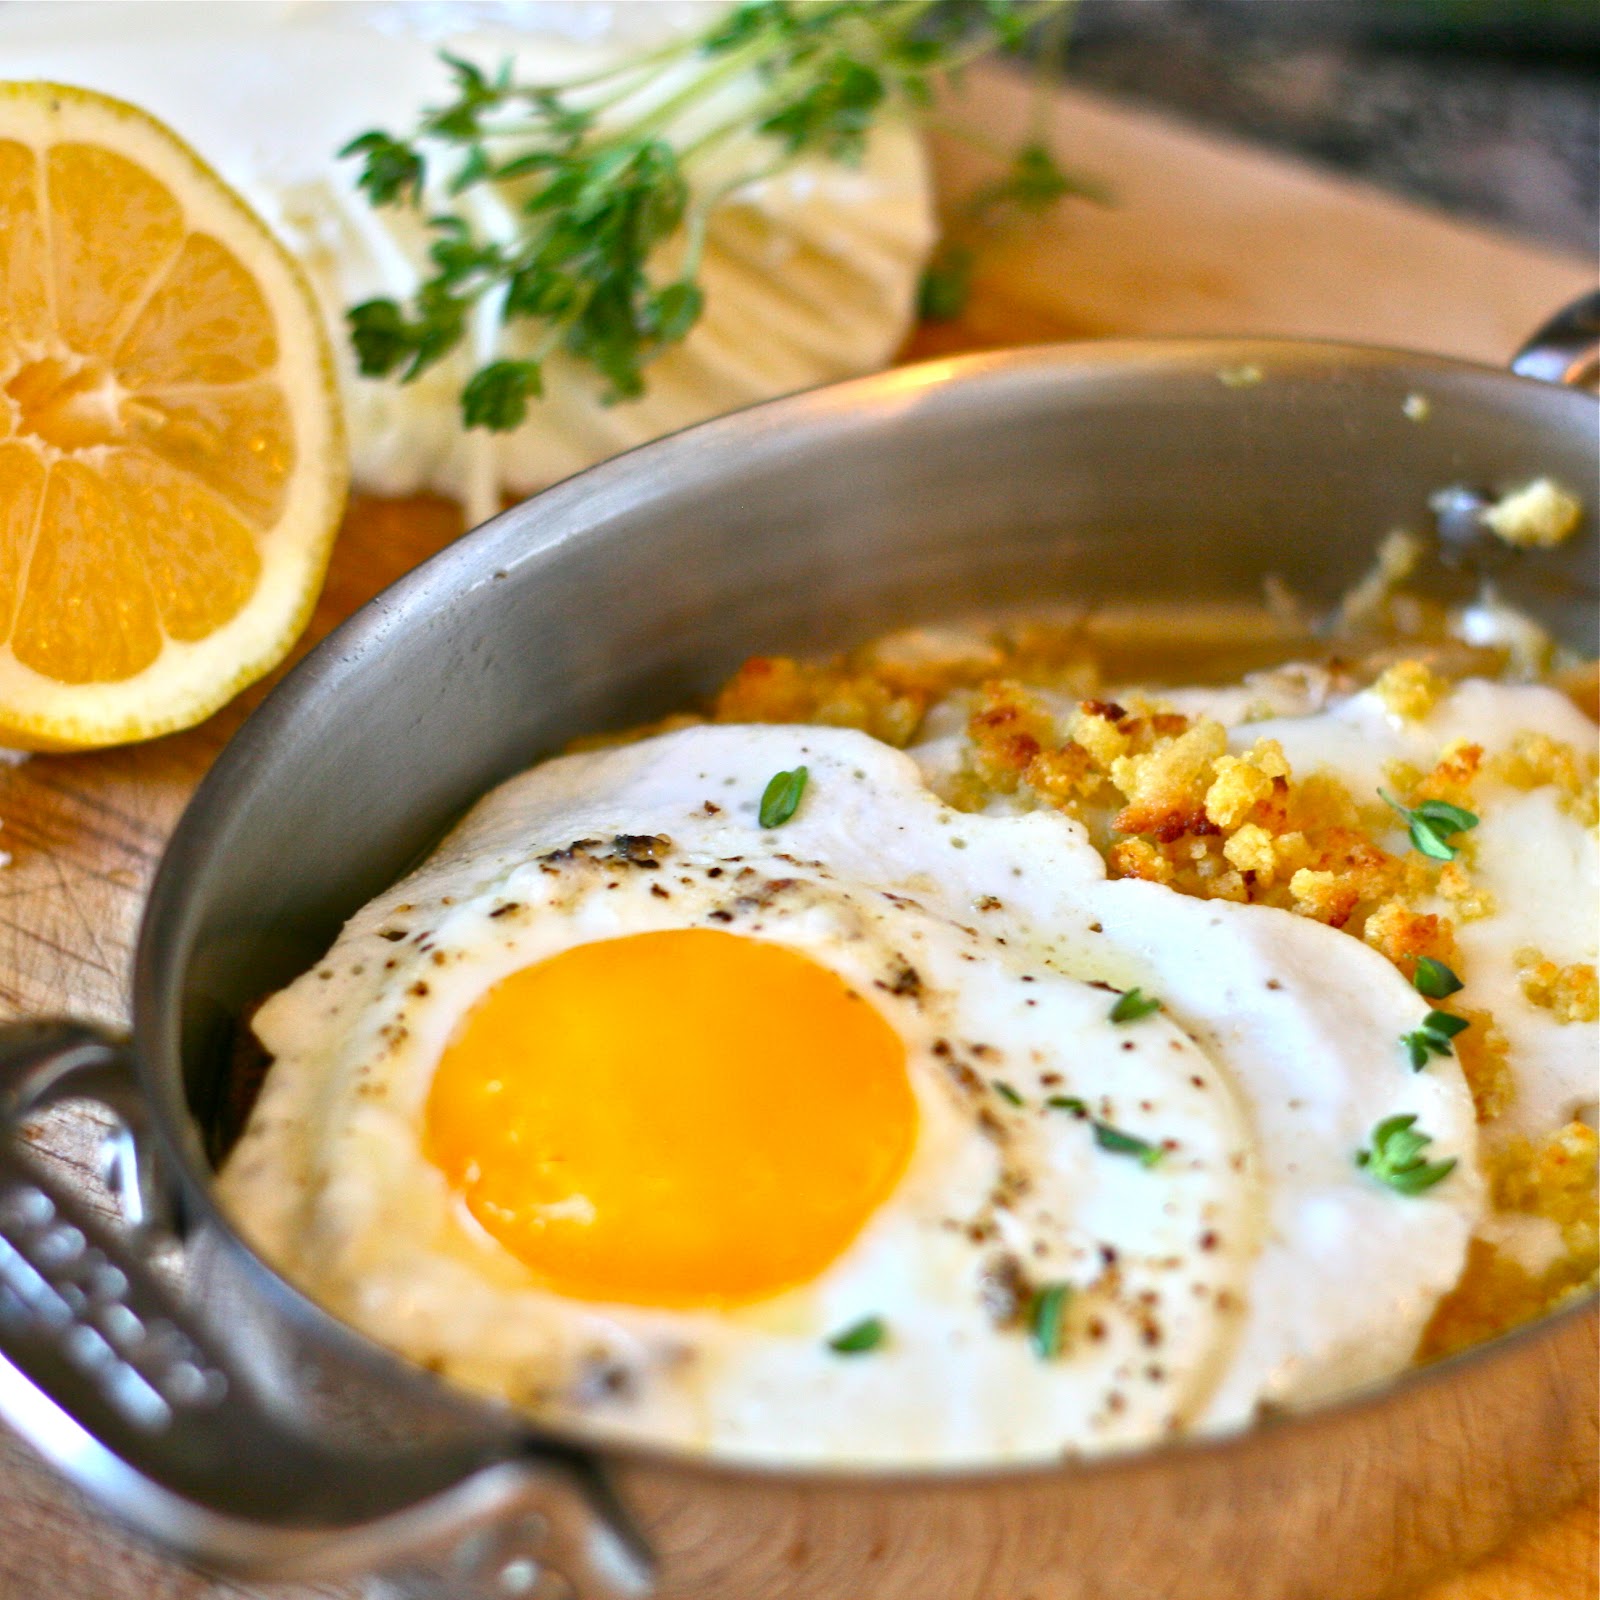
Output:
x,y
608,181
1106,1136
781,797
1432,825
946,283
1133,1006
1396,1156
859,1337
1433,1037
1126,1144
1047,1320
1434,979
1005,1091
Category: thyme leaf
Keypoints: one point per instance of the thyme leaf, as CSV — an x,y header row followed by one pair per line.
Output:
x,y
1047,1320
1433,824
1134,1006
1434,979
1433,1037
1126,1144
1395,1156
1105,1135
859,1337
781,797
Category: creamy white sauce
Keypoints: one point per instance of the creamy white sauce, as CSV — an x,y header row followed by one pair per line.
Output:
x,y
809,275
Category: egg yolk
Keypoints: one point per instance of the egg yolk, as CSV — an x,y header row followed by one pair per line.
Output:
x,y
675,1119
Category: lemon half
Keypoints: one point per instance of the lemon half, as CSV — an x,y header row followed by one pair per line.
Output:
x,y
172,455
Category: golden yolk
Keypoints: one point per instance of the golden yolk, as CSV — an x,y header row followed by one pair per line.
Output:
x,y
675,1119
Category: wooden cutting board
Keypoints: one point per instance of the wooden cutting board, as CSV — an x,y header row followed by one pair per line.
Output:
x,y
1204,237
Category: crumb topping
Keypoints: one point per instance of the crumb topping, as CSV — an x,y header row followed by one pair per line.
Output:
x,y
1538,516
1568,993
1555,1181
1411,689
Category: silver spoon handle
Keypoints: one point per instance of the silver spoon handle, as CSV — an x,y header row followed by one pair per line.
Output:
x,y
1567,347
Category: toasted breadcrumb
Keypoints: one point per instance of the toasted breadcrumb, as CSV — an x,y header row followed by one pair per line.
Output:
x,y
1535,759
1537,516
1482,1051
1406,936
1008,731
1192,815
1452,776
1098,726
1411,689
1166,785
1468,901
1554,1180
1243,783
1138,858
780,689
1496,1292
1568,993
1264,857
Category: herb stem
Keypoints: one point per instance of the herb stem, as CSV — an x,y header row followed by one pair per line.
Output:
x,y
650,61
697,89
1053,36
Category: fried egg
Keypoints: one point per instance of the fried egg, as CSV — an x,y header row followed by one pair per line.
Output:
x,y
842,1139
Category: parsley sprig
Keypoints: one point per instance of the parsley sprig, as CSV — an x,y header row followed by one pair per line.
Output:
x,y
603,182
1395,1157
1433,824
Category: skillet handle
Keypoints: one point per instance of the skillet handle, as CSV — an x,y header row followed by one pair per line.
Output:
x,y
1567,347
130,1396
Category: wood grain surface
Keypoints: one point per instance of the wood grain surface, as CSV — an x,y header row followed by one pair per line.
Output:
x,y
1204,237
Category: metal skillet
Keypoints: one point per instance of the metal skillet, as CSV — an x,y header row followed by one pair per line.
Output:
x,y
196,1396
